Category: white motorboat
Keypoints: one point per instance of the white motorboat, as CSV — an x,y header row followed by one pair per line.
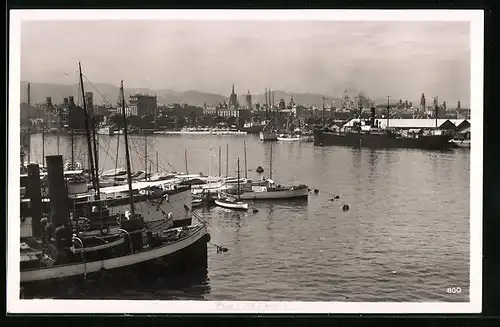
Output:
x,y
461,143
231,203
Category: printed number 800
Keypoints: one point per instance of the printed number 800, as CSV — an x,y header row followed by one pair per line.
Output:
x,y
454,290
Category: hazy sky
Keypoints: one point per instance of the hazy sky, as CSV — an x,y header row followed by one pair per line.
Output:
x,y
401,59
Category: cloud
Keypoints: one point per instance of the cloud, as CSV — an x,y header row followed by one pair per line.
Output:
x,y
382,58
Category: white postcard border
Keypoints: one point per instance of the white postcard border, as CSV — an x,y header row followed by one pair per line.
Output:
x,y
15,305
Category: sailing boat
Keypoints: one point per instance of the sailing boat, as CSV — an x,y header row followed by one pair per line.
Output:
x,y
230,201
268,189
62,247
159,201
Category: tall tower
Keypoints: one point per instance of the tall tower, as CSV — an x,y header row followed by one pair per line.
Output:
x,y
233,99
458,105
248,97
422,104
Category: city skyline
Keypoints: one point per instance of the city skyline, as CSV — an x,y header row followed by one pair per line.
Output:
x,y
401,59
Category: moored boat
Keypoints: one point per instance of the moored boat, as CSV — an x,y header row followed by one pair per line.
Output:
x,y
229,202
69,244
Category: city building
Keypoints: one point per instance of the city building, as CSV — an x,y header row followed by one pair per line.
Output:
x,y
141,105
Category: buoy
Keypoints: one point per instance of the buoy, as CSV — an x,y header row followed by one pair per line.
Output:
x,y
330,200
345,207
259,169
255,210
316,191
336,197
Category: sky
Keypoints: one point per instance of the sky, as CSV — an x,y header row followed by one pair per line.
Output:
x,y
400,59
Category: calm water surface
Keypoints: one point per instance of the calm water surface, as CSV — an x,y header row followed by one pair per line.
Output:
x,y
405,237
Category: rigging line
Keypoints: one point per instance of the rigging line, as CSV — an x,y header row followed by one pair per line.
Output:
x,y
102,95
140,154
117,153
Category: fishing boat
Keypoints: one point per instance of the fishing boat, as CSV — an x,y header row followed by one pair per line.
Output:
x,y
293,138
267,134
228,201
105,130
267,189
462,138
61,248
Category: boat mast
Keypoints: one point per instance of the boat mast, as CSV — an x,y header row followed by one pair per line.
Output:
x,y
227,160
43,136
245,148
87,130
29,123
220,173
323,116
238,165
146,156
127,154
271,163
157,167
186,162
388,108
436,111
58,128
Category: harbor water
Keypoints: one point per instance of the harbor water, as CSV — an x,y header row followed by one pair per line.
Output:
x,y
404,238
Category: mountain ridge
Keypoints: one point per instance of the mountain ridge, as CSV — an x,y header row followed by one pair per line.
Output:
x,y
109,94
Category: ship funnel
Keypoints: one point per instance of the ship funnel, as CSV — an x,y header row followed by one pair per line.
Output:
x,y
57,192
35,195
372,117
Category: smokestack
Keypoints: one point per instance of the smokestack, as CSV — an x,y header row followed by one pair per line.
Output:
x,y
373,116
71,100
265,95
58,193
48,101
35,194
65,101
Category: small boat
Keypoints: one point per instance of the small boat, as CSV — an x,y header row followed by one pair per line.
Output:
x,y
196,202
230,202
293,138
461,143
105,130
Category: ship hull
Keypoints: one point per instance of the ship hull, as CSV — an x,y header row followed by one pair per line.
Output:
x,y
233,205
267,136
173,254
382,141
152,209
279,194
253,129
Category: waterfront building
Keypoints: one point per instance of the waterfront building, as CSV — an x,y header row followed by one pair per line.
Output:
x,y
141,105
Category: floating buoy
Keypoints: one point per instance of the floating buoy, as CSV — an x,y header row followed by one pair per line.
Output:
x,y
345,207
259,169
316,191
221,249
330,200
336,197
255,210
